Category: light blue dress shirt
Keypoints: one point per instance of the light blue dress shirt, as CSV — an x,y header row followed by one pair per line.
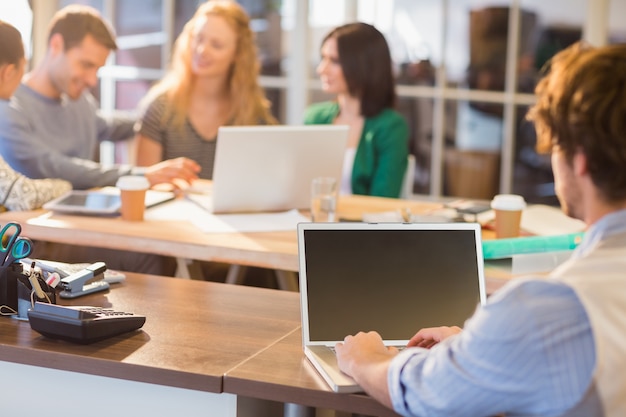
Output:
x,y
528,351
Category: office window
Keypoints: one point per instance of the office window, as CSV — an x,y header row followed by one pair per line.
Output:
x,y
18,13
617,24
98,4
460,86
140,31
462,91
147,30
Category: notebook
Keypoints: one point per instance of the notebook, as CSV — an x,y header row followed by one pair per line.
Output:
x,y
270,168
395,278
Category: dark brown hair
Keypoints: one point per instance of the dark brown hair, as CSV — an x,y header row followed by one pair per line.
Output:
x,y
74,22
366,64
11,46
581,106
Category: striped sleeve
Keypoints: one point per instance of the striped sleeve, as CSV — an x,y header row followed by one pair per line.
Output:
x,y
530,350
152,122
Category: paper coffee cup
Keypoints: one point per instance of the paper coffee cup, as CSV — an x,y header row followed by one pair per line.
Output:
x,y
133,196
508,214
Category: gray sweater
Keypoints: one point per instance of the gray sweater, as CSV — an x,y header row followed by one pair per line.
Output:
x,y
48,138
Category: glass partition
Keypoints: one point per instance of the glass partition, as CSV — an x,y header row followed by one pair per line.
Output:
x,y
460,88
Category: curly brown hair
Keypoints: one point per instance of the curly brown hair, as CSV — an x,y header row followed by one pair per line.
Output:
x,y
581,106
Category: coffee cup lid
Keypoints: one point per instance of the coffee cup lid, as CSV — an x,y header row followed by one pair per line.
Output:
x,y
132,182
508,202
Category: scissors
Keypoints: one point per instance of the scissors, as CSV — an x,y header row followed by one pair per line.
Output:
x,y
13,247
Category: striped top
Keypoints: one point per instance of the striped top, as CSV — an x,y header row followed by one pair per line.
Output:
x,y
177,141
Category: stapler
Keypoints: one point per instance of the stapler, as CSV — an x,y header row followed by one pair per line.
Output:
x,y
86,281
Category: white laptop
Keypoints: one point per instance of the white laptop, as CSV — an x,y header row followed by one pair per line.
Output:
x,y
270,168
394,278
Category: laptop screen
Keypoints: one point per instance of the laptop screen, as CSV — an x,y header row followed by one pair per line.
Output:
x,y
392,279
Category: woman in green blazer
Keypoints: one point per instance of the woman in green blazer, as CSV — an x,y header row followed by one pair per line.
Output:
x,y
356,66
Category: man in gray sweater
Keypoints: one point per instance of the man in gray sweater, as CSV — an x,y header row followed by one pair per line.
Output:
x,y
51,128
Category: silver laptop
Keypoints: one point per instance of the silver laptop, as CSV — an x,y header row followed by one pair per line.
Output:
x,y
270,168
394,278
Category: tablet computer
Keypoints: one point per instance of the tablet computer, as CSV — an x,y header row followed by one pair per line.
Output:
x,y
105,201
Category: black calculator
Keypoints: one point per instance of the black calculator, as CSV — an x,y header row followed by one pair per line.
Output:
x,y
81,324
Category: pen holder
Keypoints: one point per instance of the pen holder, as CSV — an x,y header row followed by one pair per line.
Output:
x,y
26,296
8,289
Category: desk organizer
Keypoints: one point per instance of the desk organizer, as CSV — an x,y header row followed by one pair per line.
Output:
x,y
8,289
16,291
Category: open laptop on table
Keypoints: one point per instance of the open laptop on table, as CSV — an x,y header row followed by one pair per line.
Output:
x,y
270,168
394,278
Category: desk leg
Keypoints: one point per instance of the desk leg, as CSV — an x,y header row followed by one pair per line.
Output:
x,y
182,269
188,269
235,274
297,410
287,280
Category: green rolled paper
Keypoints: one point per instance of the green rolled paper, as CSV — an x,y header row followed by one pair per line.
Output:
x,y
506,248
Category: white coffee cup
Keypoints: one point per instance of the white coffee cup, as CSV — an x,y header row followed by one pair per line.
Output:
x,y
508,210
133,195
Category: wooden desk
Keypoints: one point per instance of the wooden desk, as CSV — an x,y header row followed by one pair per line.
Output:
x,y
206,348
195,332
273,250
294,379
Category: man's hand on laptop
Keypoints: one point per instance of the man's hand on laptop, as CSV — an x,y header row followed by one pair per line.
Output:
x,y
361,348
366,359
173,170
430,336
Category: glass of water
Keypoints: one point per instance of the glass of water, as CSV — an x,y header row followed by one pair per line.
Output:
x,y
323,199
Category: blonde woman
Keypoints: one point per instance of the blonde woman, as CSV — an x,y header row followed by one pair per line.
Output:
x,y
212,82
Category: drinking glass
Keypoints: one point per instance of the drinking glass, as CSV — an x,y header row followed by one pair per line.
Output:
x,y
323,199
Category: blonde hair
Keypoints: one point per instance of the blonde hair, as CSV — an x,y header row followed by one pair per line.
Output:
x,y
249,105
